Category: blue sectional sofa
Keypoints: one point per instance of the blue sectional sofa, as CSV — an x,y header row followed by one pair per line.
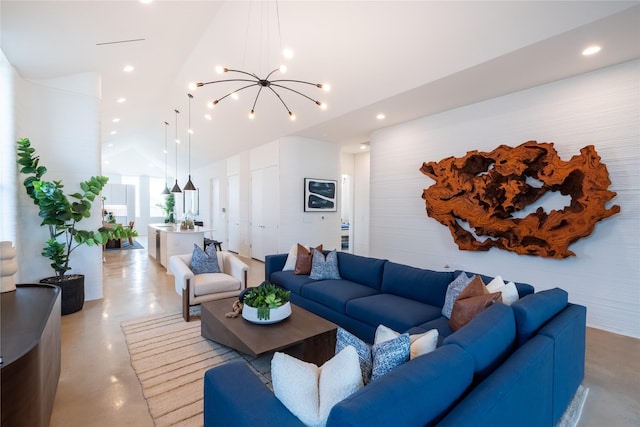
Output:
x,y
511,365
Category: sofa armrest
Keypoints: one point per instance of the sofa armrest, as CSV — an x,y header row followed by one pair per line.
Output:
x,y
179,267
235,396
273,263
235,267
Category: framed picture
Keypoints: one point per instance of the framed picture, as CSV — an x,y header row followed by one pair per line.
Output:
x,y
320,195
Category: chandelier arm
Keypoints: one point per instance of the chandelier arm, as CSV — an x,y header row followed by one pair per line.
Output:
x,y
256,100
296,81
295,91
244,72
237,90
280,98
225,81
269,75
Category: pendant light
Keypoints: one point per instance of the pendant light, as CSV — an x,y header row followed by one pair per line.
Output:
x,y
166,187
176,187
189,186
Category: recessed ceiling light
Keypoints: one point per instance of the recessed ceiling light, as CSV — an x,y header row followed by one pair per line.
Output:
x,y
106,162
145,1
363,146
207,116
113,132
380,116
128,68
591,50
116,120
109,145
121,100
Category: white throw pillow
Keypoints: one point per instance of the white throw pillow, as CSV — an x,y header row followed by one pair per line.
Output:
x,y
420,343
310,392
509,291
290,265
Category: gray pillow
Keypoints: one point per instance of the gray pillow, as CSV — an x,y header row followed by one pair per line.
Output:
x,y
324,268
453,290
204,261
345,339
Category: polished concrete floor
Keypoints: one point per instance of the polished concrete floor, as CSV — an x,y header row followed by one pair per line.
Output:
x,y
99,388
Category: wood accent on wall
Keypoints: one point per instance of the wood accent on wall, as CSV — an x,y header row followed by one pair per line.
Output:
x,y
485,189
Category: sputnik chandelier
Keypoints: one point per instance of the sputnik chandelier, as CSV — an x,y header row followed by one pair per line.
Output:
x,y
273,85
256,81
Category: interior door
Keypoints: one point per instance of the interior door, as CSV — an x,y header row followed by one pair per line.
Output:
x,y
233,214
264,212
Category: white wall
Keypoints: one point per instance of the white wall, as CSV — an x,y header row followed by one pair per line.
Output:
x,y
307,158
60,116
361,204
600,108
8,182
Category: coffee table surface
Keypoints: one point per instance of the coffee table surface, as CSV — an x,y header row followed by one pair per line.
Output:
x,y
302,328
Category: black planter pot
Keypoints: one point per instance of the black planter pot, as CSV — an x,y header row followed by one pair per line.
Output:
x,y
72,289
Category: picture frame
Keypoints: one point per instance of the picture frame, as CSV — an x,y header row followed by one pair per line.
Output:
x,y
320,195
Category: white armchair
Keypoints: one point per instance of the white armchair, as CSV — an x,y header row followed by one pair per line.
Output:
x,y
199,288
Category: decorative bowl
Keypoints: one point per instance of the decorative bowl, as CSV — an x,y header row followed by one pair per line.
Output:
x,y
275,314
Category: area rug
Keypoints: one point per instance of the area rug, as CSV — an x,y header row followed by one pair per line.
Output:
x,y
126,246
170,358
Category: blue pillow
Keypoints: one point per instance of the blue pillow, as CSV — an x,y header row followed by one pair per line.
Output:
x,y
324,268
204,261
389,354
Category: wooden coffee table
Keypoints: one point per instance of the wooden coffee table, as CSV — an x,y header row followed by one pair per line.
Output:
x,y
303,334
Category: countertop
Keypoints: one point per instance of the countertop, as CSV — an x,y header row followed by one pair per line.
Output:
x,y
175,228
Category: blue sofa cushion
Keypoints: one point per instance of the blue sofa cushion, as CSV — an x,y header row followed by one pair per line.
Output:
x,y
290,281
359,269
533,311
430,385
489,338
421,285
231,388
335,294
396,312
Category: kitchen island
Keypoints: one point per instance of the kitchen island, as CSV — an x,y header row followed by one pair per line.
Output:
x,y
165,240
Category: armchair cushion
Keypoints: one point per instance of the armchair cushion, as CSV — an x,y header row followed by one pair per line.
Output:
x,y
213,283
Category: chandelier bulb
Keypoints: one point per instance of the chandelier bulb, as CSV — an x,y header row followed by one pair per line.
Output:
x,y
323,106
283,68
192,86
292,116
220,69
252,114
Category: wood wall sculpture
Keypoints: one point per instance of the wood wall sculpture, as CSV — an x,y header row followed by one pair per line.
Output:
x,y
484,190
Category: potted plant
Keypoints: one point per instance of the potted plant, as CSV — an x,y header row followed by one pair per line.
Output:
x,y
61,213
168,208
266,303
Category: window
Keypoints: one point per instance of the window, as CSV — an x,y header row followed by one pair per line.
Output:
x,y
156,185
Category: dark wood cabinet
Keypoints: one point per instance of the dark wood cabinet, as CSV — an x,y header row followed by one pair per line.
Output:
x,y
30,350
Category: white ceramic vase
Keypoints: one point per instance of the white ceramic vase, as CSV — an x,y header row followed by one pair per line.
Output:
x,y
275,314
8,266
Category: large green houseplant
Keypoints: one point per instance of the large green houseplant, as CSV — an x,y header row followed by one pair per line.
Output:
x,y
61,213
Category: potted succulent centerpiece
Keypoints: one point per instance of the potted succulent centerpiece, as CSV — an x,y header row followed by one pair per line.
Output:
x,y
61,213
266,303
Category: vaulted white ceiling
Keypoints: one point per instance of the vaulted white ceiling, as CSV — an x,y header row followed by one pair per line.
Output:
x,y
405,59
